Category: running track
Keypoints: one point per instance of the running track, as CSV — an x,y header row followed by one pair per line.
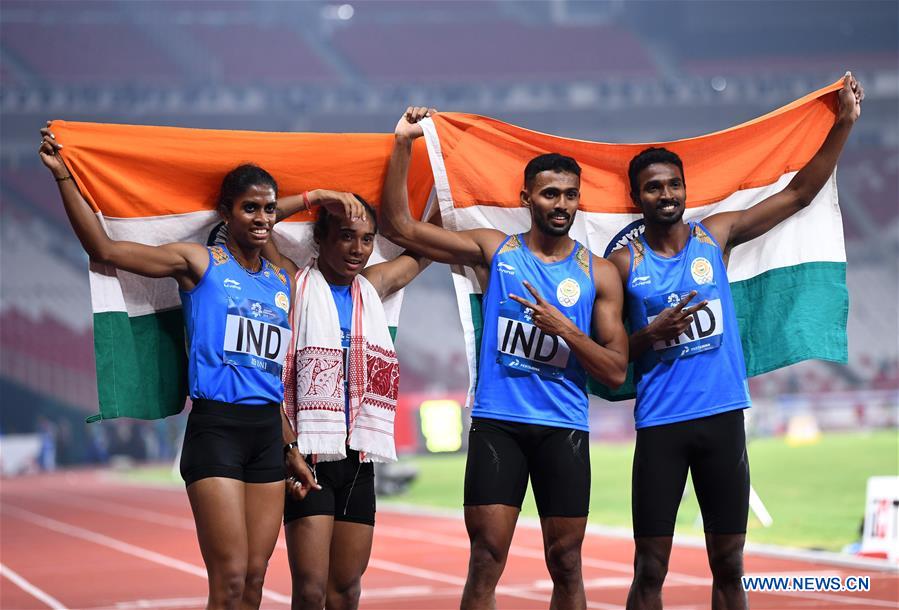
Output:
x,y
82,540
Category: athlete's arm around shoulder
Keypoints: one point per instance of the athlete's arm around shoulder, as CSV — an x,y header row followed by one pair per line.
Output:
x,y
734,228
186,262
473,248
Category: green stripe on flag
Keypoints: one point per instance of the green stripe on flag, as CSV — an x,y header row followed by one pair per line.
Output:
x,y
792,314
476,302
141,364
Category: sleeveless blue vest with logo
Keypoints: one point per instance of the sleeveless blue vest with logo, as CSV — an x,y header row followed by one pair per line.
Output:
x,y
238,331
524,374
701,372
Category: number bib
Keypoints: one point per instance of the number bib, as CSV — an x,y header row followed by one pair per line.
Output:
x,y
704,333
256,335
522,346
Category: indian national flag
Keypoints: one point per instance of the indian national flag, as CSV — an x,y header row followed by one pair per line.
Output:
x,y
789,286
157,185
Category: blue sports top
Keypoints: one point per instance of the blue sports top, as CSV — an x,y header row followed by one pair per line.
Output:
x,y
343,299
524,374
701,372
238,331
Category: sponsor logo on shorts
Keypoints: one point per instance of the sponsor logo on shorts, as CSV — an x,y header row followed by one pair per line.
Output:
x,y
701,270
568,292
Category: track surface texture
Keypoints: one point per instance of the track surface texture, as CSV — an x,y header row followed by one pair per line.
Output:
x,y
85,540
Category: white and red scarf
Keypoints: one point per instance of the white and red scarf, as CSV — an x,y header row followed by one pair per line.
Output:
x,y
314,373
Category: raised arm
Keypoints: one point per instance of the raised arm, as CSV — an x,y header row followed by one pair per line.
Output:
x,y
473,248
336,202
186,262
603,356
734,228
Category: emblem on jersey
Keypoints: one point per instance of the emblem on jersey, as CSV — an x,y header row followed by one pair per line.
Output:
x,y
568,292
256,309
229,283
673,299
282,302
701,269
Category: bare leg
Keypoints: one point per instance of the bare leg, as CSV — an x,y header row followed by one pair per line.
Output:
x,y
350,552
726,561
219,512
490,530
264,510
562,541
308,550
651,557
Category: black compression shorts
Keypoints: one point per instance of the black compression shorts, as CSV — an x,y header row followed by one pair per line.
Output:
x,y
714,450
241,442
502,455
347,493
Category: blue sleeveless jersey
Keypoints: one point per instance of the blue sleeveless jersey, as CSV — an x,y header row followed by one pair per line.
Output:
x,y
238,331
343,299
524,374
701,372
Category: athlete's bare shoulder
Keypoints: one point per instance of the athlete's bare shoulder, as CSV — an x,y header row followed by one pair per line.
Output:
x,y
621,260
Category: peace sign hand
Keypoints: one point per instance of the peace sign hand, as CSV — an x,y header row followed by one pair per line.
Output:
x,y
673,321
546,316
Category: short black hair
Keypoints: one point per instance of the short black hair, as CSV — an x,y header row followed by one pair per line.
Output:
x,y
646,158
238,180
550,162
323,217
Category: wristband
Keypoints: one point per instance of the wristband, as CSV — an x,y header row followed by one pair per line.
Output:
x,y
289,446
306,201
69,177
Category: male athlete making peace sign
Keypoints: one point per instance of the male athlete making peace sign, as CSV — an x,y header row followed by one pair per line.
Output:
x,y
552,315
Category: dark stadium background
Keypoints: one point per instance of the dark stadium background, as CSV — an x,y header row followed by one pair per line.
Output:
x,y
612,71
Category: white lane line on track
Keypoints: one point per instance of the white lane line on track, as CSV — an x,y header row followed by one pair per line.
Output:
x,y
30,589
122,547
612,566
674,578
858,602
389,566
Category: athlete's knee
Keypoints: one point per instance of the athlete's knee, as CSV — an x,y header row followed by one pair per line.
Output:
x,y
308,593
255,577
487,549
650,570
227,583
726,565
345,595
563,560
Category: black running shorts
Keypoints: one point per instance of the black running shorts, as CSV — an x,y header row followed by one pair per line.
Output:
x,y
347,493
241,442
714,450
502,455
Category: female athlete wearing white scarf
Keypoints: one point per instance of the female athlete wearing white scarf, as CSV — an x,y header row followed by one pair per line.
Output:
x,y
341,384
